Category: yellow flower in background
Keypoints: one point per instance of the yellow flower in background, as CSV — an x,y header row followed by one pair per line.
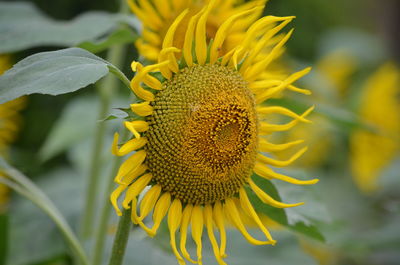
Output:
x,y
338,67
158,15
371,151
9,125
203,131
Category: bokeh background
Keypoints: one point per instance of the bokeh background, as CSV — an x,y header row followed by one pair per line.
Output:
x,y
354,145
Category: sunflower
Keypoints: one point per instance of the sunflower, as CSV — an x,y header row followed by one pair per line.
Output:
x,y
199,132
372,150
9,124
157,16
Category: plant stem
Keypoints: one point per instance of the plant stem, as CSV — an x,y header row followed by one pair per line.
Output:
x,y
120,75
107,87
121,238
106,91
101,232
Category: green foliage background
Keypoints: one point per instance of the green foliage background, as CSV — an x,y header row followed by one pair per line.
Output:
x,y
339,223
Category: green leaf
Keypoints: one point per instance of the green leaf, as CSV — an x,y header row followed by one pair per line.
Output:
x,y
116,114
77,122
121,36
307,229
54,73
23,26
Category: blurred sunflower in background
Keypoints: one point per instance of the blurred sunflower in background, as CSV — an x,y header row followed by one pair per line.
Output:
x,y
201,131
372,150
9,125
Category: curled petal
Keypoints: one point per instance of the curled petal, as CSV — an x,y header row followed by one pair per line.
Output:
x,y
265,198
174,221
248,208
268,173
277,163
186,215
197,230
234,216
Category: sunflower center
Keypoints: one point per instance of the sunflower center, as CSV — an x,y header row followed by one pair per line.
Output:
x,y
202,138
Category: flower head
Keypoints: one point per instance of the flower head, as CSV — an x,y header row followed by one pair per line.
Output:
x,y
371,151
202,132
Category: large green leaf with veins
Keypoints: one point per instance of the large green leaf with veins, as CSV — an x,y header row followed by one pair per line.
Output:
x,y
23,26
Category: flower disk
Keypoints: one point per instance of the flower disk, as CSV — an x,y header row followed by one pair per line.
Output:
x,y
202,137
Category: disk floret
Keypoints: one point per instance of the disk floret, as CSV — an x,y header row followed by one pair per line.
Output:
x,y
203,134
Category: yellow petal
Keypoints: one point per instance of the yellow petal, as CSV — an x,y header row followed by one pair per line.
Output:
x,y
143,76
149,201
174,221
188,43
128,147
266,128
219,221
279,110
278,163
208,214
129,165
231,210
141,14
151,37
142,109
136,127
169,40
197,229
248,208
268,173
163,8
135,189
261,27
160,211
265,198
114,198
201,35
223,31
134,216
163,57
265,146
186,215
151,14
257,68
288,81
261,44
